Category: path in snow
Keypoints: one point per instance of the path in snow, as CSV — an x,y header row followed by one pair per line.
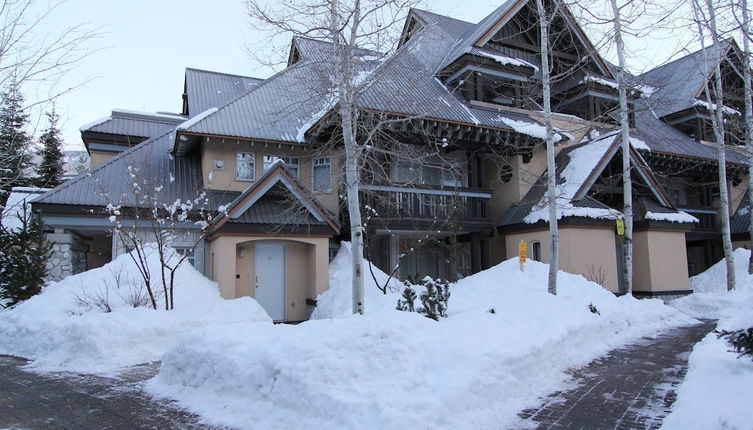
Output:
x,y
72,401
629,388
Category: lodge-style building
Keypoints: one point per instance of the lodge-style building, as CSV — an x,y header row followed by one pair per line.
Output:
x,y
454,178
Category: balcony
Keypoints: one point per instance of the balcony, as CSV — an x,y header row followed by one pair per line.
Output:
x,y
707,217
426,203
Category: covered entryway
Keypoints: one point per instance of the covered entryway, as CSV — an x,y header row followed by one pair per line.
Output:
x,y
269,278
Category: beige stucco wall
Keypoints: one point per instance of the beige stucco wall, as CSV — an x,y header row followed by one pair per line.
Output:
x,y
307,273
586,251
96,158
226,149
660,260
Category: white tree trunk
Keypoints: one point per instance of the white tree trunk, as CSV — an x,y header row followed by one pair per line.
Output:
x,y
627,189
718,126
748,117
550,167
345,71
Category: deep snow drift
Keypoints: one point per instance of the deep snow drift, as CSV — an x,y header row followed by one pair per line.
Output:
x,y
717,390
60,332
392,369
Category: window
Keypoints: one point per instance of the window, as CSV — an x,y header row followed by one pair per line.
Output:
x,y
536,251
321,177
292,164
429,174
245,163
191,258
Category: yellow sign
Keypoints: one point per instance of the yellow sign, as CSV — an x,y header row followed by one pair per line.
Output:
x,y
522,252
620,227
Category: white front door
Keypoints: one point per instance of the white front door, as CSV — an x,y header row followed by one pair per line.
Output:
x,y
269,281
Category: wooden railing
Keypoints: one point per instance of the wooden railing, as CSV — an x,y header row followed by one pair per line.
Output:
x,y
464,204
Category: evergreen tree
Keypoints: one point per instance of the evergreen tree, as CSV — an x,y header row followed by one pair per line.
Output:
x,y
23,260
14,141
50,170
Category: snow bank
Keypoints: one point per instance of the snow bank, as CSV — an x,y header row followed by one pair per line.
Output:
x,y
718,387
59,332
391,369
711,298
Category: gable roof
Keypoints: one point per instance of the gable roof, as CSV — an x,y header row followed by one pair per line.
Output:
x,y
482,32
578,168
678,83
205,89
255,205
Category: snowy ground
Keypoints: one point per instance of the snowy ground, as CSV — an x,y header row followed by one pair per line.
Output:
x,y
59,332
718,388
390,369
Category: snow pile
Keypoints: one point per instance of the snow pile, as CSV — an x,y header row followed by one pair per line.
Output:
x,y
601,81
718,387
337,301
505,342
63,328
19,198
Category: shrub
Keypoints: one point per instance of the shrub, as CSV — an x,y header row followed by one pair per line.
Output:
x,y
593,309
740,340
434,298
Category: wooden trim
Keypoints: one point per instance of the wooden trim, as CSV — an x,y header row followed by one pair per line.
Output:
x,y
499,24
217,235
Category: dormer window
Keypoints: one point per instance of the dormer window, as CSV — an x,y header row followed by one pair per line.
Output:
x,y
592,98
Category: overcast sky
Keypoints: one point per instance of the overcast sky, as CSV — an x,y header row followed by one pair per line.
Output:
x,y
145,46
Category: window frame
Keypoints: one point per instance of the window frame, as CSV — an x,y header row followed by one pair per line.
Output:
x,y
536,250
287,159
253,166
314,165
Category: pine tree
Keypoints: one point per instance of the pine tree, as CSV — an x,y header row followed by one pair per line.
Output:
x,y
50,170
23,260
14,141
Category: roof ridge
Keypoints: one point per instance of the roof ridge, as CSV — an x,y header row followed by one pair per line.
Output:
x,y
419,10
224,73
91,172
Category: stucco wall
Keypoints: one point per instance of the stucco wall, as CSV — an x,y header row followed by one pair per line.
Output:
x,y
660,260
307,273
226,149
586,251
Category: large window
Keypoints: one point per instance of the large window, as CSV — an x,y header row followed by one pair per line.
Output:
x,y
408,172
245,163
292,164
322,173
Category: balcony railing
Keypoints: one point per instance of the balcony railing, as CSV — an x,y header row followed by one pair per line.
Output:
x,y
396,202
707,217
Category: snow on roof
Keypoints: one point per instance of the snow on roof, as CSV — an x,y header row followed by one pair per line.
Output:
x,y
94,123
679,216
19,198
187,124
502,59
600,81
639,144
582,162
174,117
713,106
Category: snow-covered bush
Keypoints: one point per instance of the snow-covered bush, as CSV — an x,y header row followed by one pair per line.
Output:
x,y
740,340
434,298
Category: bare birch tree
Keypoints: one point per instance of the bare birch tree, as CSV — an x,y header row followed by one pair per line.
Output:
x,y
550,166
705,16
627,185
748,114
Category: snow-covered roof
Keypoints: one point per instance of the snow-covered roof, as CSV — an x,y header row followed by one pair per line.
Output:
x,y
20,198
